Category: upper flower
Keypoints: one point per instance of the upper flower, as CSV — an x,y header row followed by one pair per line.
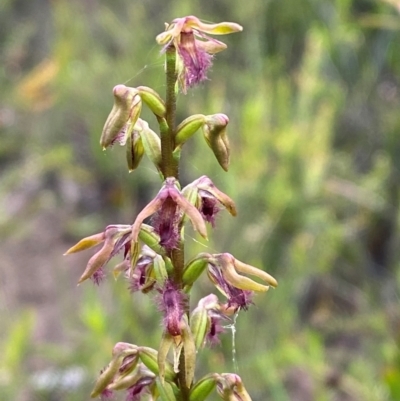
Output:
x,y
195,48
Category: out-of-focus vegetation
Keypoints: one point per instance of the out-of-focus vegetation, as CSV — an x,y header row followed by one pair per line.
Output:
x,y
312,88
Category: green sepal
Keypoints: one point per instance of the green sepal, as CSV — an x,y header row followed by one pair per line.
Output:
x,y
199,324
168,265
160,270
195,268
149,237
152,144
203,388
134,150
165,390
190,354
149,357
165,345
153,100
191,194
176,154
125,382
188,128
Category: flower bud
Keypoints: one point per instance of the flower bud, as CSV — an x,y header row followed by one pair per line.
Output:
x,y
153,100
149,357
134,150
121,346
127,107
203,388
165,390
188,127
168,265
199,323
230,388
205,322
194,268
215,135
160,270
191,193
167,340
124,382
151,142
149,237
107,376
190,353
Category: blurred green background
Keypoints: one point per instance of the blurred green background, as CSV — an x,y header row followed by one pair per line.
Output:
x,y
313,94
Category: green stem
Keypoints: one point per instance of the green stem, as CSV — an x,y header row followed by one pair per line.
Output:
x,y
169,165
170,168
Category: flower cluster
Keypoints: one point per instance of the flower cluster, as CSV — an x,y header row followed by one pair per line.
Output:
x,y
152,247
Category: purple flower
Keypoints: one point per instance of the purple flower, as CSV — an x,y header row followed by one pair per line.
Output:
x,y
208,199
237,298
205,322
225,272
114,239
195,48
215,330
195,59
208,207
171,303
140,277
166,224
135,392
168,208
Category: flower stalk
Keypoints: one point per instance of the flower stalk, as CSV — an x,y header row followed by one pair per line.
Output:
x,y
170,166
